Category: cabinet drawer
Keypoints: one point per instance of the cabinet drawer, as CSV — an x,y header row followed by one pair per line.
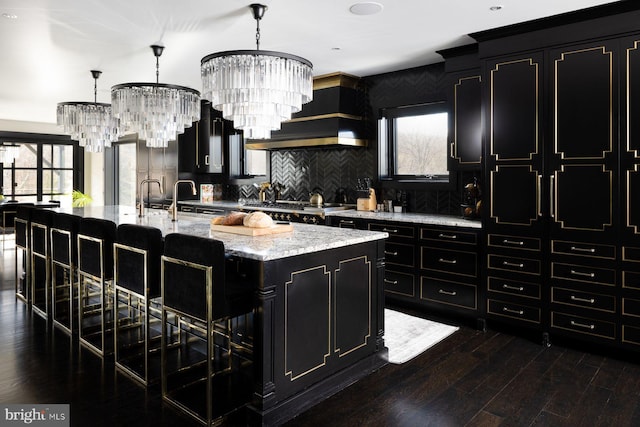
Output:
x,y
520,265
631,307
583,325
456,262
395,231
630,334
514,242
583,249
511,287
450,293
630,254
513,311
631,280
399,254
601,276
449,236
345,223
210,211
186,208
583,299
399,283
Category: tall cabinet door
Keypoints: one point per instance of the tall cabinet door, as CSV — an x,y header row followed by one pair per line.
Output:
x,y
583,192
515,184
466,120
630,178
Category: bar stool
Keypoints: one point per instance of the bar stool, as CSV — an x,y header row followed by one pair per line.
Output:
x,y
41,221
22,225
64,256
136,278
95,293
7,219
198,302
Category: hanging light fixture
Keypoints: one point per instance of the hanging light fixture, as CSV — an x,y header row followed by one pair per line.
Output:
x,y
8,153
89,123
157,112
257,89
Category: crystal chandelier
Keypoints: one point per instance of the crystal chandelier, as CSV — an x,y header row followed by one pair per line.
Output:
x,y
89,123
157,112
8,153
257,89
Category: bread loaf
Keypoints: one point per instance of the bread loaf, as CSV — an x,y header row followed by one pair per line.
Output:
x,y
234,218
258,220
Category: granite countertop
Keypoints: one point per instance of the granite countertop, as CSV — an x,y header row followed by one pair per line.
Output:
x,y
304,238
410,217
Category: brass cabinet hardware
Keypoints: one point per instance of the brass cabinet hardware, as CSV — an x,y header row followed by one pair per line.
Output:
x,y
513,242
391,253
579,273
345,221
395,230
390,282
539,195
512,288
448,261
451,293
448,236
512,264
508,310
587,300
589,250
582,325
552,194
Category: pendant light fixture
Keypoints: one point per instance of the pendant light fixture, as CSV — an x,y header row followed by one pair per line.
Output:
x,y
257,89
158,112
89,123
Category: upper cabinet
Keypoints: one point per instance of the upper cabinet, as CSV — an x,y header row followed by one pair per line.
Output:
x,y
464,96
202,145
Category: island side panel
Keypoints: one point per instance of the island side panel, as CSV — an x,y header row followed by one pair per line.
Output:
x,y
319,327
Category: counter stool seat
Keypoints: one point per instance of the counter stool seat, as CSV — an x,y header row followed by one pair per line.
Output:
x,y
136,278
41,222
64,256
199,303
95,293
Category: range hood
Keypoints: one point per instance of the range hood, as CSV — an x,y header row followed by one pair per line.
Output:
x,y
335,117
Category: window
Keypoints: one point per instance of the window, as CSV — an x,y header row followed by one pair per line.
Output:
x,y
247,165
413,144
47,167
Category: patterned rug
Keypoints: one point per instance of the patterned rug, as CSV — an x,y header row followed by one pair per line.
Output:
x,y
407,336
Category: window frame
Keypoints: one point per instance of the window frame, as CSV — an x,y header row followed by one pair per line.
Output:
x,y
387,148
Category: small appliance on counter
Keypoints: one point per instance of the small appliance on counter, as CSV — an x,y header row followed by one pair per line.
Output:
x,y
366,196
472,200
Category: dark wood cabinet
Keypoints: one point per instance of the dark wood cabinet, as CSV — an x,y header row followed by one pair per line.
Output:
x,y
202,145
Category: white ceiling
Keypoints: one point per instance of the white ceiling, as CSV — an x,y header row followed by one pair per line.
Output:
x,y
48,50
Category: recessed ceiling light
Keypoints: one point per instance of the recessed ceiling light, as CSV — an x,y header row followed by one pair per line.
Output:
x,y
495,8
366,8
9,16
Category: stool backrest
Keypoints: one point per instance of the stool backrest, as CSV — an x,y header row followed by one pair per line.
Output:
x,y
41,221
130,264
7,214
23,224
64,235
188,264
95,246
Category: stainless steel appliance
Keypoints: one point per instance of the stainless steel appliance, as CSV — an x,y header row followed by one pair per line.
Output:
x,y
296,211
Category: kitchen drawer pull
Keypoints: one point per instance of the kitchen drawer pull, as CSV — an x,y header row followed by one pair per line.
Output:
x,y
539,195
512,264
512,288
393,230
390,282
587,300
451,293
448,261
589,250
448,236
578,273
508,310
344,221
513,242
582,325
391,253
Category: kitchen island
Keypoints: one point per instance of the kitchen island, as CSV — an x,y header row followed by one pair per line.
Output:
x,y
319,307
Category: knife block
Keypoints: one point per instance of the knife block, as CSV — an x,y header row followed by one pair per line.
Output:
x,y
367,203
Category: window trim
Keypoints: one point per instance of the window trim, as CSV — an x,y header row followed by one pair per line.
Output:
x,y
387,147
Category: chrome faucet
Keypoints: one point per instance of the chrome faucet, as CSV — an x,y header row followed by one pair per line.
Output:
x,y
146,181
174,207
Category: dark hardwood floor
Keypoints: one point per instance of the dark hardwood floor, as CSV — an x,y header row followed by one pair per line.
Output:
x,y
470,379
